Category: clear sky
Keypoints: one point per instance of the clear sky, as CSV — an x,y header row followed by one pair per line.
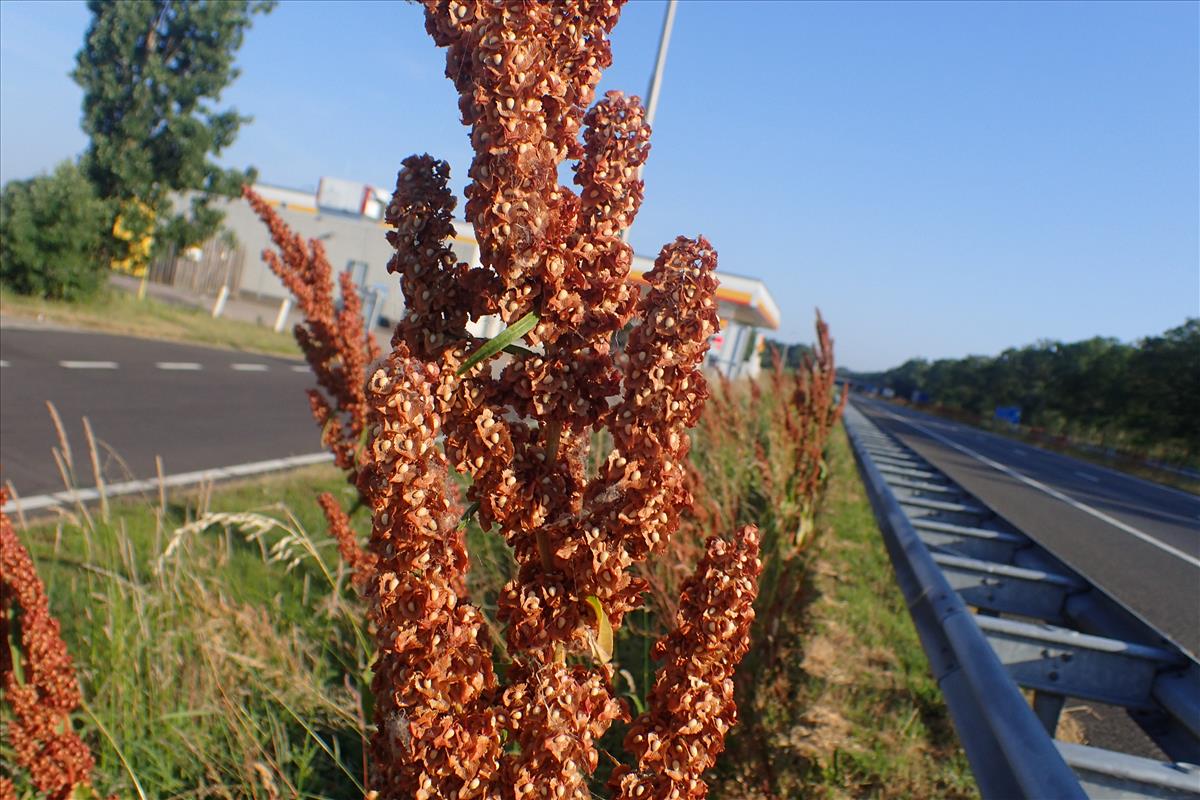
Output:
x,y
940,179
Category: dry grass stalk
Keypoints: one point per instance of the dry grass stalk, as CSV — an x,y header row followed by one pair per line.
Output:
x,y
38,678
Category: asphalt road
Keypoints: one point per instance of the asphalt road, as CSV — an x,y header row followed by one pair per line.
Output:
x,y
1137,540
196,407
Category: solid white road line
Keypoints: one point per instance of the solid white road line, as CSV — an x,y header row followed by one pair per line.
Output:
x,y
249,367
41,501
1067,460
1109,471
1100,515
1117,475
1084,475
88,364
177,365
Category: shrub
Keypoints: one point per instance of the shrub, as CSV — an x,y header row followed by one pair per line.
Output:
x,y
50,235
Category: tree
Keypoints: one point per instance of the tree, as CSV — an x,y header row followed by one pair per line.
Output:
x,y
151,71
50,229
792,355
1165,383
1144,393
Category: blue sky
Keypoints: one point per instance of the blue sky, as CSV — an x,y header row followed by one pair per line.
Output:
x,y
940,179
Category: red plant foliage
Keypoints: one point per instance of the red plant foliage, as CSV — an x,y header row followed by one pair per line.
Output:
x,y
808,418
361,562
337,348
526,74
691,706
44,692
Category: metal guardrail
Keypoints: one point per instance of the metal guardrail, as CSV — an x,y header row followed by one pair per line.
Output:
x,y
1039,626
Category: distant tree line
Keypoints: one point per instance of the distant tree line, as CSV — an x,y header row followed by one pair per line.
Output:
x,y
1145,394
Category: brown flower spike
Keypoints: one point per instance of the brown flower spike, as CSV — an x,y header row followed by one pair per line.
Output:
x,y
46,691
438,733
337,348
808,416
553,261
691,705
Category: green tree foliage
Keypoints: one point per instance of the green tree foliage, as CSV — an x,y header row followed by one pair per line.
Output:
x,y
50,230
1143,394
151,71
792,355
1164,384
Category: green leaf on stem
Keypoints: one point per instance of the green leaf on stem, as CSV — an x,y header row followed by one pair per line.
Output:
x,y
603,645
502,341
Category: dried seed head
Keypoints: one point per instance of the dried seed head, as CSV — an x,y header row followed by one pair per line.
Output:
x,y
41,701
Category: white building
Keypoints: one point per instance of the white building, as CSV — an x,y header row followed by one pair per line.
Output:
x,y
347,218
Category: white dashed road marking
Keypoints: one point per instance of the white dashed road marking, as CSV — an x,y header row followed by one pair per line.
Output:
x,y
88,364
1084,475
249,367
301,368
177,365
3,363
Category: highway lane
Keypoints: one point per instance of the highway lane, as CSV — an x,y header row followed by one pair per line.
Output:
x,y
1135,539
196,407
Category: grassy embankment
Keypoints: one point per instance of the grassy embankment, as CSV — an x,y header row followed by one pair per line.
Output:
x,y
852,710
237,666
232,667
114,311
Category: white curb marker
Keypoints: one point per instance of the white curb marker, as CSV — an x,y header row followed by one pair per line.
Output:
x,y
171,481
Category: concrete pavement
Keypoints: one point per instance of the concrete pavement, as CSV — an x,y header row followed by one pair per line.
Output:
x,y
196,407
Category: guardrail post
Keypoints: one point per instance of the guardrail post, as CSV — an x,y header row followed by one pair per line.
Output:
x,y
1048,707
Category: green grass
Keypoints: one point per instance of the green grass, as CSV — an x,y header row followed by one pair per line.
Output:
x,y
848,708
114,311
235,667
238,665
